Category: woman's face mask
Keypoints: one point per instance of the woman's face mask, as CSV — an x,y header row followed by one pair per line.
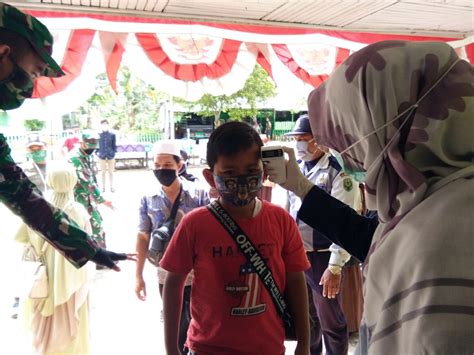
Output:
x,y
238,190
38,156
15,89
357,175
165,176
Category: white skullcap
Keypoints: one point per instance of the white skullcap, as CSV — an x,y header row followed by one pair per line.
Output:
x,y
167,147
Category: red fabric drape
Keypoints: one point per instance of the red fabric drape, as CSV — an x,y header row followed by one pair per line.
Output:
x,y
81,40
76,53
265,64
190,72
113,64
284,54
470,52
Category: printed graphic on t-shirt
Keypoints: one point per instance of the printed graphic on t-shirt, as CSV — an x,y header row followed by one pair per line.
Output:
x,y
247,288
250,293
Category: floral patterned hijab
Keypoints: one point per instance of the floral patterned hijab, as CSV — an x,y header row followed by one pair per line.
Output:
x,y
404,113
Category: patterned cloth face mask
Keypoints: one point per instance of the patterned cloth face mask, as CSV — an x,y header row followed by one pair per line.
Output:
x,y
238,190
15,89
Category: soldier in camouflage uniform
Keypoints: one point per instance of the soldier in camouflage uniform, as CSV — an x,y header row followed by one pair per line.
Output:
x,y
87,191
25,54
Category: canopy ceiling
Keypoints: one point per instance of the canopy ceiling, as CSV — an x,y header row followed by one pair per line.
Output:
x,y
191,47
452,18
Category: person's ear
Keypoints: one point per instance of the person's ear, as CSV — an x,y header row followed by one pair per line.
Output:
x,y
180,165
4,51
6,65
312,146
207,173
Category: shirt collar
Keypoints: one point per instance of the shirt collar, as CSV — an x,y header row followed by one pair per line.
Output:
x,y
323,162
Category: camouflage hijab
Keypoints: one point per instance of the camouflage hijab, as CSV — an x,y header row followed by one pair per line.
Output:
x,y
404,113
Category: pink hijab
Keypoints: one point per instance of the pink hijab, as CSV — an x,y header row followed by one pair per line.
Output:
x,y
407,109
404,113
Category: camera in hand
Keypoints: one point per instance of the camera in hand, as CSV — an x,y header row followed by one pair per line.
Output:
x,y
160,237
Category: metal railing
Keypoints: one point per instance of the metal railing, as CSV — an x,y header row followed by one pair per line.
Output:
x,y
281,128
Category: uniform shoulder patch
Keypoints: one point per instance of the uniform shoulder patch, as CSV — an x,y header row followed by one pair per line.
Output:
x,y
347,183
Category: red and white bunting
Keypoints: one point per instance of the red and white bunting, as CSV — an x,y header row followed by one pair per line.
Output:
x,y
189,59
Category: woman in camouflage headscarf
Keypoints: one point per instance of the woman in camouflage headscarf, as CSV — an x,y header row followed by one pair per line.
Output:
x,y
403,114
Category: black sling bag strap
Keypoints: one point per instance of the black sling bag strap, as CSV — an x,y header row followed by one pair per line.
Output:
x,y
175,207
161,236
259,265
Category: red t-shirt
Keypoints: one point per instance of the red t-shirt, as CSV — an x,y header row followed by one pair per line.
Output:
x,y
232,312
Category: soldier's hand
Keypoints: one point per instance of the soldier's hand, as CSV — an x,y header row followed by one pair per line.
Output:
x,y
109,204
109,258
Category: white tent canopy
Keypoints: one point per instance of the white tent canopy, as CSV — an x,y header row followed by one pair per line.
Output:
x,y
188,58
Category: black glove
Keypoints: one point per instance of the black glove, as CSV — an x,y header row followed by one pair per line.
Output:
x,y
108,258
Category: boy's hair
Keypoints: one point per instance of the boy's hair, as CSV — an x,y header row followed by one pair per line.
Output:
x,y
231,138
104,121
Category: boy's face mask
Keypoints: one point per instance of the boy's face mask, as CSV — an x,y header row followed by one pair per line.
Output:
x,y
38,156
357,175
15,89
238,190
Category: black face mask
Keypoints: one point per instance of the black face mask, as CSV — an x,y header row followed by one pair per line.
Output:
x,y
89,151
165,176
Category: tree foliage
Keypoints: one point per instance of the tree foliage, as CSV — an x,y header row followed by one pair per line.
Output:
x,y
136,105
244,103
34,125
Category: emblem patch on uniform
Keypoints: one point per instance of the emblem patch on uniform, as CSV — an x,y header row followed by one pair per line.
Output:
x,y
322,180
347,183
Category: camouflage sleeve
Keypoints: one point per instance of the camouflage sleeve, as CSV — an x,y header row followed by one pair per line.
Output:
x,y
22,197
81,191
97,194
85,188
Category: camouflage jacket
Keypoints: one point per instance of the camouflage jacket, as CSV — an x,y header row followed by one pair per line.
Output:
x,y
87,191
24,199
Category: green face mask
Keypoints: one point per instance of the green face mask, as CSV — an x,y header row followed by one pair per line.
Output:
x,y
358,176
15,89
38,156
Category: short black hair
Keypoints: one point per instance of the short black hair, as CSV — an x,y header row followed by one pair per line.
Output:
x,y
231,138
104,121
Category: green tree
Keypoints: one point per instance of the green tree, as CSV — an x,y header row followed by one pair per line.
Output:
x,y
244,103
135,106
34,125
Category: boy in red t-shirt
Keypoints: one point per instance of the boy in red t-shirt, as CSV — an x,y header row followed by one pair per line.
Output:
x,y
232,311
